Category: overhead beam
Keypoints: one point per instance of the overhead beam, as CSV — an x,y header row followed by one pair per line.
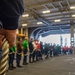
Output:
x,y
59,13
54,24
56,15
36,16
60,5
59,17
67,2
46,28
46,7
44,3
58,26
51,32
52,5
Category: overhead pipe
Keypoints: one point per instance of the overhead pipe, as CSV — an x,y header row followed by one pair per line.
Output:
x,y
64,31
39,28
38,33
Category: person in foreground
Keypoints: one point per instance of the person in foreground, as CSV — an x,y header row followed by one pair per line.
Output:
x,y
10,11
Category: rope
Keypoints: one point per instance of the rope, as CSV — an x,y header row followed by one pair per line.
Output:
x,y
4,60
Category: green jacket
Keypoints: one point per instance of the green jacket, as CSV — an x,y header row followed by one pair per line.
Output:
x,y
12,49
56,47
25,44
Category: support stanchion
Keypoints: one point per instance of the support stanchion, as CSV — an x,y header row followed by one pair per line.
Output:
x,y
4,60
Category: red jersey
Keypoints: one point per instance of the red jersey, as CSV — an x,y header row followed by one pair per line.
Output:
x,y
38,46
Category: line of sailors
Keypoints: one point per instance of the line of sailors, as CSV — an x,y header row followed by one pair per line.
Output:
x,y
34,49
52,50
56,50
24,48
67,50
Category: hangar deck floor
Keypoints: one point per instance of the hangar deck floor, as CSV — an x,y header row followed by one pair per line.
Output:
x,y
62,65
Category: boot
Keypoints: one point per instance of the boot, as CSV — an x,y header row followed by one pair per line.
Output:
x,y
10,67
18,65
13,66
25,63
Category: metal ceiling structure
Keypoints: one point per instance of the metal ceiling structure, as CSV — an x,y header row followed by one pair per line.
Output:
x,y
59,10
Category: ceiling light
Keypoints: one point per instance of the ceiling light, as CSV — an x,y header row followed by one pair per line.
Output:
x,y
24,24
25,15
47,11
72,7
39,23
73,15
57,20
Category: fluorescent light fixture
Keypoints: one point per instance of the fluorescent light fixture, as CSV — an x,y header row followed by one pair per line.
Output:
x,y
24,24
47,11
72,7
73,15
25,15
57,20
39,23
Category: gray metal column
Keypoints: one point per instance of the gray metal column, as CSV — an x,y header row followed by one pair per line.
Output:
x,y
21,30
72,33
61,40
26,32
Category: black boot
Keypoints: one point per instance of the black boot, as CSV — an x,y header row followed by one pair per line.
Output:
x,y
10,67
13,67
18,65
25,63
30,61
